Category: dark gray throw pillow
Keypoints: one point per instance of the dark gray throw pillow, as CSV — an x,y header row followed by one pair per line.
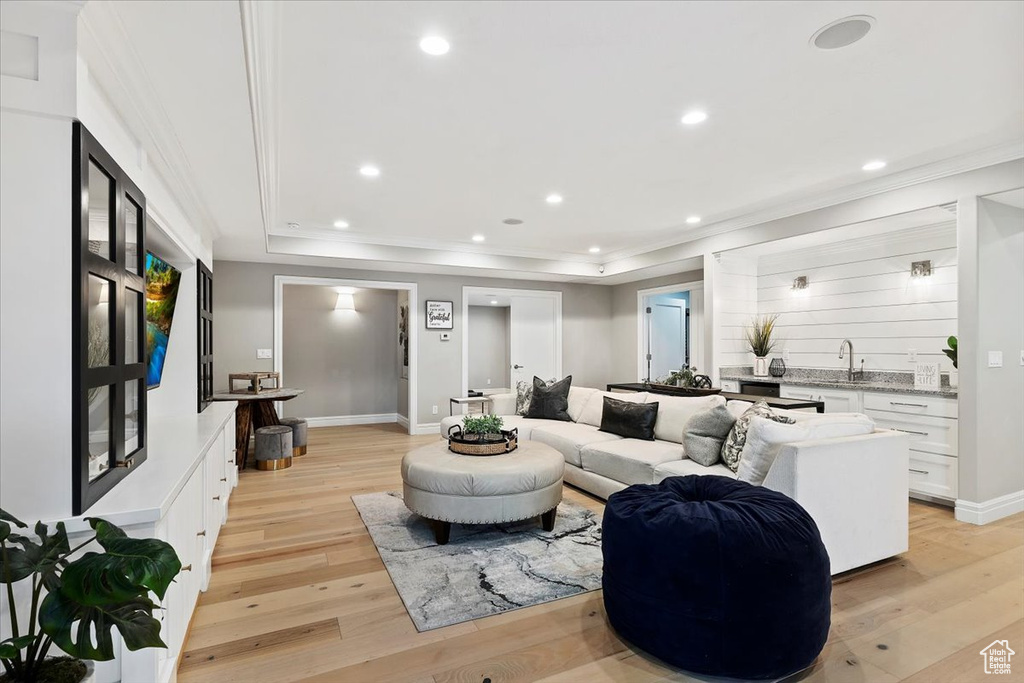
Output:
x,y
628,419
704,435
550,401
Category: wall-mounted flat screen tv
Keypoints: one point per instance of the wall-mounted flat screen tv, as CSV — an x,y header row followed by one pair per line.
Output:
x,y
162,280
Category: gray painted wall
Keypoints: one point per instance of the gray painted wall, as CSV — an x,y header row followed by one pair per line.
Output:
x,y
345,361
244,320
624,314
488,328
991,448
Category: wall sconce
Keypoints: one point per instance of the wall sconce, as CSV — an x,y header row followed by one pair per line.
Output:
x,y
800,283
921,269
345,302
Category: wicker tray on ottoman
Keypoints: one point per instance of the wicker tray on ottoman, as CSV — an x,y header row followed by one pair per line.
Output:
x,y
482,444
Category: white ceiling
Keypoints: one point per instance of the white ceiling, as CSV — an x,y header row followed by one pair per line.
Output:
x,y
583,99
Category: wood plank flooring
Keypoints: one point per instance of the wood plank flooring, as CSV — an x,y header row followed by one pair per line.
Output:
x,y
299,593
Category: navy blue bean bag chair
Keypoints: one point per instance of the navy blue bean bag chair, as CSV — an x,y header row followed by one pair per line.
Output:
x,y
716,576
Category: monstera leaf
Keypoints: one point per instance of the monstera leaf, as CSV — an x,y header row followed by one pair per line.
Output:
x,y
43,556
73,625
146,562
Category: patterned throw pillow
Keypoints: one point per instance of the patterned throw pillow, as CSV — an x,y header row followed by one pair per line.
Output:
x,y
732,449
524,392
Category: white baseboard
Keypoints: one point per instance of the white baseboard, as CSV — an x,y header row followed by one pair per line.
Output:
x,y
347,420
402,421
990,510
429,428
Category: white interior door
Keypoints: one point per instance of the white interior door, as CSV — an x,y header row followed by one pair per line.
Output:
x,y
534,339
668,338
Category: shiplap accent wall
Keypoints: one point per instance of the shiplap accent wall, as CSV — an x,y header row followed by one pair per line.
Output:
x,y
736,281
862,290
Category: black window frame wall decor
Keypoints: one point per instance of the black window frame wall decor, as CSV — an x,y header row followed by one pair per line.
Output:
x,y
204,334
120,281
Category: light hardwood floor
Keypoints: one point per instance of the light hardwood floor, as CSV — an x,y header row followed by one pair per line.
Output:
x,y
299,593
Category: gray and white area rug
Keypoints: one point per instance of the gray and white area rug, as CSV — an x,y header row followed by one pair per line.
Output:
x,y
484,569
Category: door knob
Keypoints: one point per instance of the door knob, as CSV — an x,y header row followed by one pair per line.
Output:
x,y
517,367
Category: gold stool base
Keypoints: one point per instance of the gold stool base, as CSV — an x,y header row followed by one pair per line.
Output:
x,y
299,450
277,464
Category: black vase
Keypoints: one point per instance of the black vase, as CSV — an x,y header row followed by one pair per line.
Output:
x,y
777,367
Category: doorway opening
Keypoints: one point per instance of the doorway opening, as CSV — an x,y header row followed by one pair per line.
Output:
x,y
511,335
670,329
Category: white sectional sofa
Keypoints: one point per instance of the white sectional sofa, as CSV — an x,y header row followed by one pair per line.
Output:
x,y
854,487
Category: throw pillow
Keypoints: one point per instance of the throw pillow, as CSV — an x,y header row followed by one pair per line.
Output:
x,y
524,391
765,437
704,434
674,411
550,401
629,419
732,449
594,408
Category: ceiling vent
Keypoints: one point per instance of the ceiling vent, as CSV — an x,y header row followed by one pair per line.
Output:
x,y
512,221
843,32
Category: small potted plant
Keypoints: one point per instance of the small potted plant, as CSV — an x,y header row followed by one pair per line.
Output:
x,y
73,602
482,428
950,352
759,339
683,377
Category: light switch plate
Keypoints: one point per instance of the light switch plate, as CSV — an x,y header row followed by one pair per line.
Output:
x,y
264,353
995,359
1022,356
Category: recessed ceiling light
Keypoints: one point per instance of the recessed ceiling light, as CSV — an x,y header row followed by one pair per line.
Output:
x,y
876,165
692,220
842,32
369,171
513,221
494,302
553,199
435,45
595,250
478,238
694,117
341,224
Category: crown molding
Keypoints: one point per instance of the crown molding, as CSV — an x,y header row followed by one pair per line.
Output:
x,y
261,39
122,77
803,201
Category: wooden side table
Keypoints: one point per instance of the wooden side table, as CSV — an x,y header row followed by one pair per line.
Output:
x,y
253,409
468,401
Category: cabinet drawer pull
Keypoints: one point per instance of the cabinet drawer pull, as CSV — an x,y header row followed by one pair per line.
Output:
x,y
216,497
201,533
187,568
910,431
918,471
913,405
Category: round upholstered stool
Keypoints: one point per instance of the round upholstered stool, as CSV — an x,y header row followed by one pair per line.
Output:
x,y
274,447
298,425
446,487
716,576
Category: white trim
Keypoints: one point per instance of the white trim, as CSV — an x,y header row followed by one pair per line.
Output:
x,y
641,294
499,291
349,420
281,280
427,428
402,421
990,510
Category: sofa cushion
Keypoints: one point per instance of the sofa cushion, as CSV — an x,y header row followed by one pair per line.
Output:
x,y
675,411
629,419
594,408
568,438
733,448
838,425
578,397
681,468
630,461
704,434
764,439
550,401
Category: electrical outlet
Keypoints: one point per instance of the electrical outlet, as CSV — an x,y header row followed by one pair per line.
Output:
x,y
995,359
911,355
446,336
785,355
264,353
433,410
488,381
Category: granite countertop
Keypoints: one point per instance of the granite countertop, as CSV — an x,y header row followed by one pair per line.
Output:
x,y
887,382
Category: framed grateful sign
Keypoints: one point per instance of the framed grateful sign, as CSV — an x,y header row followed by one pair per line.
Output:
x,y
439,315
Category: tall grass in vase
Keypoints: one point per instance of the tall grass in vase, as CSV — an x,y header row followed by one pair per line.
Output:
x,y
759,339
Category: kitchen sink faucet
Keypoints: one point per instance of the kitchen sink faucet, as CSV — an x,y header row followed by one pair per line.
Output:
x,y
850,372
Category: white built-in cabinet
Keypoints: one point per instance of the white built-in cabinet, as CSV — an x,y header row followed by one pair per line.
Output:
x,y
179,495
836,400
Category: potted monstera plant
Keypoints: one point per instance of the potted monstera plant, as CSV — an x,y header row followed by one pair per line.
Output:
x,y
76,603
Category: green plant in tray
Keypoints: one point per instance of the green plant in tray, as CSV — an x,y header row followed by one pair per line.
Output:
x,y
482,424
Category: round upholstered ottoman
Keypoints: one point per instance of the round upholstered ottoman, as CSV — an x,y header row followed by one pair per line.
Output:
x,y
446,487
716,576
299,432
274,447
